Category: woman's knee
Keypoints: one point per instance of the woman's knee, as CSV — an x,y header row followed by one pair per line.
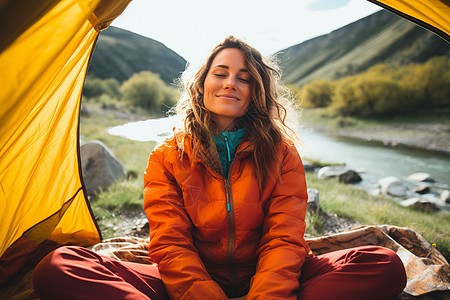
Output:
x,y
388,265
49,273
395,267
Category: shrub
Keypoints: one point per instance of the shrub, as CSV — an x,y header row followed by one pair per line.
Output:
x,y
95,87
368,96
384,90
318,93
147,90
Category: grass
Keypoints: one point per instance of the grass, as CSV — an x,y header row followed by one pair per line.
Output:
x,y
335,198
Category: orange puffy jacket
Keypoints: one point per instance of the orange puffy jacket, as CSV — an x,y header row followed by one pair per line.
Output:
x,y
214,237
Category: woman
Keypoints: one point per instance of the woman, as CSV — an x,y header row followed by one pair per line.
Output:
x,y
226,201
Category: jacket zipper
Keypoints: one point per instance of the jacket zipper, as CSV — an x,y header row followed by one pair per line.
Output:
x,y
231,224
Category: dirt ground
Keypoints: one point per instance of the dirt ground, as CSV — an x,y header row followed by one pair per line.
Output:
x,y
135,223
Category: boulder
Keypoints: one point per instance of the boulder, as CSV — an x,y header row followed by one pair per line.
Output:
x,y
421,177
313,200
419,203
343,173
445,196
100,168
421,189
350,177
392,186
308,166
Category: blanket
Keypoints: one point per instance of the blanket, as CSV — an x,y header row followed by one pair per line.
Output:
x,y
427,270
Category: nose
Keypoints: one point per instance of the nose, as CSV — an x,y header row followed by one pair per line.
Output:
x,y
230,83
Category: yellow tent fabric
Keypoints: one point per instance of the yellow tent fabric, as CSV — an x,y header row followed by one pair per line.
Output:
x,y
431,14
46,47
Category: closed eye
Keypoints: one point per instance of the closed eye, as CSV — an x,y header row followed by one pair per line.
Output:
x,y
244,80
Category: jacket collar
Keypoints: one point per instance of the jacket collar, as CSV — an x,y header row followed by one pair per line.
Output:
x,y
206,155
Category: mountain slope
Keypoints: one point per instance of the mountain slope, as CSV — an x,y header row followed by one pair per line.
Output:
x,y
382,37
120,53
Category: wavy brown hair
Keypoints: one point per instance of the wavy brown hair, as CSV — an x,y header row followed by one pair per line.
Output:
x,y
265,120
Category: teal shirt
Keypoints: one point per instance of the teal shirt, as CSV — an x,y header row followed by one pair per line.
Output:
x,y
226,144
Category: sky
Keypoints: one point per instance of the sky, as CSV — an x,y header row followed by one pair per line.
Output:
x,y
193,28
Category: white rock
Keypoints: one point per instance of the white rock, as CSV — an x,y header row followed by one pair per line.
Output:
x,y
374,192
422,204
313,200
343,173
421,177
422,188
445,196
392,186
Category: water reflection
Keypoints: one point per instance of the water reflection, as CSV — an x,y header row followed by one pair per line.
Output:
x,y
148,130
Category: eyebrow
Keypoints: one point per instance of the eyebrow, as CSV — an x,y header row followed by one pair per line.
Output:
x,y
226,67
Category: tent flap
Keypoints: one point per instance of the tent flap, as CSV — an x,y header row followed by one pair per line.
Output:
x,y
43,63
433,15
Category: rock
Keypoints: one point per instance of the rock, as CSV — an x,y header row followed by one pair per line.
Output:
x,y
84,112
445,196
308,166
421,189
419,203
313,200
392,186
374,192
421,177
100,168
350,177
343,173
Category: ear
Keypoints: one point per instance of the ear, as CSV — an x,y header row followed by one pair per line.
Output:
x,y
200,89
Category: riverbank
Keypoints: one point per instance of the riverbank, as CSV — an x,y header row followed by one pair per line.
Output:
x,y
427,132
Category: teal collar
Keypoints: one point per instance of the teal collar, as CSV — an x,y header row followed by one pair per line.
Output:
x,y
226,144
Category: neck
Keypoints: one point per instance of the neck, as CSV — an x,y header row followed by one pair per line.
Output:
x,y
225,124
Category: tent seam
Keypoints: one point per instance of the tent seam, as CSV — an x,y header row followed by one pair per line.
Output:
x,y
80,171
421,23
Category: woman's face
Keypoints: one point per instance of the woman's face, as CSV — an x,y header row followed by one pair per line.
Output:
x,y
227,88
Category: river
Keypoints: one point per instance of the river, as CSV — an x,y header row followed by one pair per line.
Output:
x,y
372,160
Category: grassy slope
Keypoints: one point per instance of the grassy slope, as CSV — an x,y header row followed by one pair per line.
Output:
x,y
336,198
120,53
380,38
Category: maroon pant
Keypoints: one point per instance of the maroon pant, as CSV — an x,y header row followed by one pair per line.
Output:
x,y
368,272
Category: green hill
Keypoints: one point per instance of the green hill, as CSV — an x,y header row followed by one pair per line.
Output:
x,y
120,53
382,37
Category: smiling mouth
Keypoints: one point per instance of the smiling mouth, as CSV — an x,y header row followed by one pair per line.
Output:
x,y
228,97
